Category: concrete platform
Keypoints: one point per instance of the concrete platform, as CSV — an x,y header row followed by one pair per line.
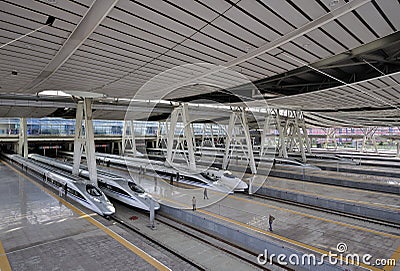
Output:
x,y
39,231
370,204
295,231
365,168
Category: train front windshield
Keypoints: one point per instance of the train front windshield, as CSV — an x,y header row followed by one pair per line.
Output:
x,y
93,191
228,174
134,187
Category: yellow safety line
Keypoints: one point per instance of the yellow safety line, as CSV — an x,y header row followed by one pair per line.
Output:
x,y
4,264
158,265
396,257
319,218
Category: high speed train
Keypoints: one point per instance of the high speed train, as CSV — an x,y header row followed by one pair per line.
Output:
x,y
113,185
216,156
88,195
215,175
158,169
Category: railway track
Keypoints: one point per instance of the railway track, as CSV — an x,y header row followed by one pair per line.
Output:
x,y
326,210
222,245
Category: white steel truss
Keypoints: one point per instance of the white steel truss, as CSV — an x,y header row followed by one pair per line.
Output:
x,y
23,138
292,131
128,138
207,137
84,139
331,136
183,142
238,138
267,141
162,134
369,136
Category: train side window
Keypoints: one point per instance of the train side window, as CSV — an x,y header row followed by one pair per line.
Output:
x,y
120,191
77,194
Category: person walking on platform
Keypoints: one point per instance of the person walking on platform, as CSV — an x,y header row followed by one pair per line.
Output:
x,y
60,191
270,220
194,203
65,190
171,180
205,193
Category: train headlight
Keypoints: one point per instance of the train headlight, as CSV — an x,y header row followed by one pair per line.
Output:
x,y
111,208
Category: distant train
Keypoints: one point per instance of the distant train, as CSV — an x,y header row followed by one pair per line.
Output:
x,y
215,179
216,156
158,169
88,195
113,185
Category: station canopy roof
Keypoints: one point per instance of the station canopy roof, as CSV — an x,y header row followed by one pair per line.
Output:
x,y
337,60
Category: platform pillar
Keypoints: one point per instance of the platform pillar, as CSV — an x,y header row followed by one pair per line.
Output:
x,y
369,135
330,135
23,138
172,148
398,148
233,136
84,140
282,136
170,135
300,136
188,131
78,144
128,137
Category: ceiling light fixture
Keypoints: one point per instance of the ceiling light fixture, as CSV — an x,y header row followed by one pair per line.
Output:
x,y
49,22
305,45
333,3
14,73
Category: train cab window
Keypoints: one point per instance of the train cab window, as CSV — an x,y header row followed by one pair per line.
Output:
x,y
76,194
228,174
92,190
134,187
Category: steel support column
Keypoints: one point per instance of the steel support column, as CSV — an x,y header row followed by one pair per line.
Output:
x,y
23,138
89,144
78,140
188,135
398,148
171,133
228,140
84,140
128,137
234,137
282,136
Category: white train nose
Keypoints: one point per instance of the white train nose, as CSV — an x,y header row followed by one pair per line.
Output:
x,y
242,185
